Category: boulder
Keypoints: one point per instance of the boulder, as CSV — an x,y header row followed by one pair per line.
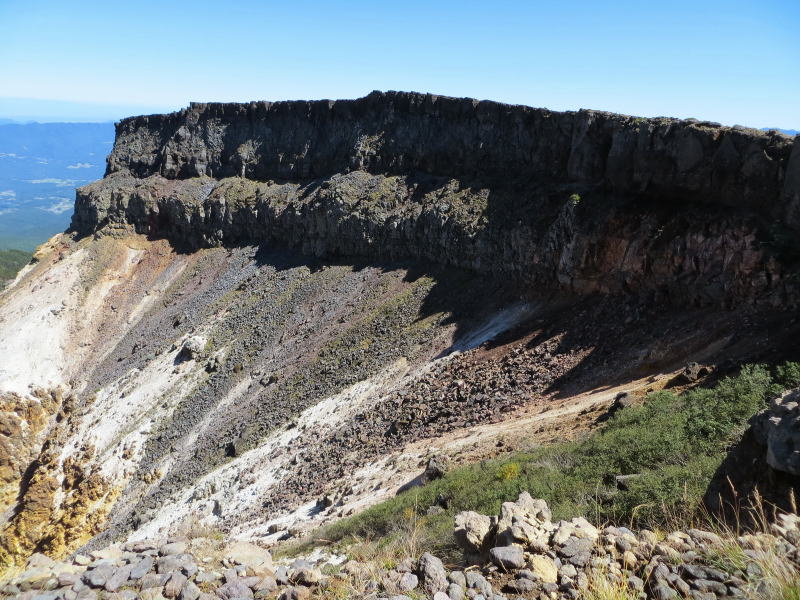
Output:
x,y
407,582
478,583
534,537
40,561
266,586
577,551
35,578
459,578
298,592
68,579
141,568
98,576
576,528
174,585
455,592
193,347
777,429
153,580
521,585
173,562
173,548
432,574
525,521
508,557
704,537
307,576
249,555
543,568
190,591
234,589
472,530
208,577
118,578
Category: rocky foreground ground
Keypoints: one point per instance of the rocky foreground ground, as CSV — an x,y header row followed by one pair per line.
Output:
x,y
520,553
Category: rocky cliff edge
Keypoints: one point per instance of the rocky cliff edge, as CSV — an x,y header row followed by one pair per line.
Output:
x,y
589,201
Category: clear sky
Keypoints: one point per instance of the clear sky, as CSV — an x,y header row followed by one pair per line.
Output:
x,y
731,61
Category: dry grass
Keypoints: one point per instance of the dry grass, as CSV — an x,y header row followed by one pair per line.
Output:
x,y
602,587
371,558
193,528
754,549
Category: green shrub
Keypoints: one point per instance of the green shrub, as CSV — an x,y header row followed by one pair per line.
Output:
x,y
508,471
716,415
788,375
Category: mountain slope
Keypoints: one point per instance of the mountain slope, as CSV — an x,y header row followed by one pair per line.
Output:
x,y
264,307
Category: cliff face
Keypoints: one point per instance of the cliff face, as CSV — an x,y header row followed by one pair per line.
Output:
x,y
590,201
485,142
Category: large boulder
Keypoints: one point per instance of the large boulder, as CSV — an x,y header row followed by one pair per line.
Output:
x,y
508,557
525,522
436,468
193,347
544,568
249,555
472,530
432,574
778,428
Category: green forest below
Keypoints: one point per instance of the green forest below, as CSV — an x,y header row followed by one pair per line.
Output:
x,y
11,261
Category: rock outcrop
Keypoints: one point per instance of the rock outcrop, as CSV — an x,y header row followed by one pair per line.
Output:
x,y
778,428
575,559
587,201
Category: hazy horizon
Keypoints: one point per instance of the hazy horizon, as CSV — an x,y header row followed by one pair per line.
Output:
x,y
18,111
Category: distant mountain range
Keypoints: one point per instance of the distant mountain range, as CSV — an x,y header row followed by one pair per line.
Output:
x,y
786,131
41,164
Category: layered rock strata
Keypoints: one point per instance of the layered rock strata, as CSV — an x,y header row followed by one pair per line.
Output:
x,y
588,201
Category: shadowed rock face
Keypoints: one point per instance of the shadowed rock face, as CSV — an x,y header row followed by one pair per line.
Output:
x,y
587,200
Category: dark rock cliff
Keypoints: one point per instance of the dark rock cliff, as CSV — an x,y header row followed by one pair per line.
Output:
x,y
590,201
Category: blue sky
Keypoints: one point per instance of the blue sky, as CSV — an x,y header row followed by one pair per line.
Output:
x,y
729,61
